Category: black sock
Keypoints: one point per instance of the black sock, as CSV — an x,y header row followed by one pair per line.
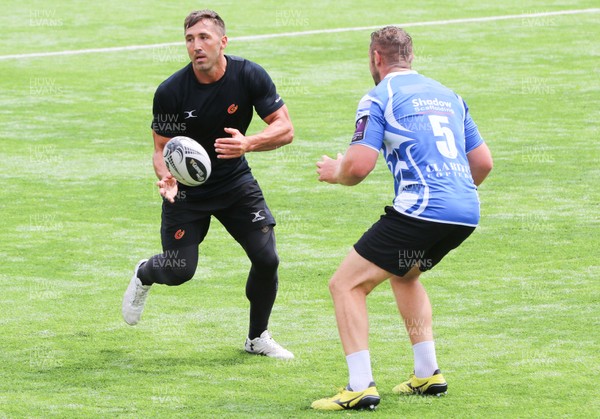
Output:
x,y
142,276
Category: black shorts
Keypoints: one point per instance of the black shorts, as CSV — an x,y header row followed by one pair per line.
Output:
x,y
240,210
397,242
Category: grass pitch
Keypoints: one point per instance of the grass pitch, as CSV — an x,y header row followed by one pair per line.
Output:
x,y
515,308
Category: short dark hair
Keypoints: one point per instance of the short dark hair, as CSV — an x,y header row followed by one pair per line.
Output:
x,y
198,15
394,44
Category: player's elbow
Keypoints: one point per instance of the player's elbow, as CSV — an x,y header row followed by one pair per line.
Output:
x,y
288,135
488,166
485,165
360,171
356,173
481,170
480,162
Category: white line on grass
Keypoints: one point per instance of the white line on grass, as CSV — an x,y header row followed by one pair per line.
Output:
x,y
303,33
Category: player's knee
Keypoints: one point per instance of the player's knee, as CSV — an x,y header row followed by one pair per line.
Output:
x,y
181,275
266,261
339,285
336,286
179,266
263,252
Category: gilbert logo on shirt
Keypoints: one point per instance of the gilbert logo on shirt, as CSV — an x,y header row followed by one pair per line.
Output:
x,y
232,109
179,234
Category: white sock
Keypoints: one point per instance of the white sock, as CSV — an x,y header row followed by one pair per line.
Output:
x,y
359,367
425,360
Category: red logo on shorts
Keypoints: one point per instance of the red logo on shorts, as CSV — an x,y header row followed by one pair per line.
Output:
x,y
179,234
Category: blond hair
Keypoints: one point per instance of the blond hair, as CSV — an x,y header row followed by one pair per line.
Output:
x,y
394,45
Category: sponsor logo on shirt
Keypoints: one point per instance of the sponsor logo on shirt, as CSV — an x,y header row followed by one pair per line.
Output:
x,y
232,109
190,114
435,104
447,169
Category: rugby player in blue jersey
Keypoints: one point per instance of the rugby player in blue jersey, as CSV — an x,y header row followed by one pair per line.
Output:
x,y
437,158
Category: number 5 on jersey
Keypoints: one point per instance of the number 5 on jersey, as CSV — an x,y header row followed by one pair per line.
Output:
x,y
447,146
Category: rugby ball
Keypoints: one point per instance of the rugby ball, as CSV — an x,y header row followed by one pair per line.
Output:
x,y
187,161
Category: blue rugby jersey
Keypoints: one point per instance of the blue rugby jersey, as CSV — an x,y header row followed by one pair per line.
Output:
x,y
424,131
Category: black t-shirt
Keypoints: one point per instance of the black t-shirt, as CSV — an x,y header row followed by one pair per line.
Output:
x,y
184,106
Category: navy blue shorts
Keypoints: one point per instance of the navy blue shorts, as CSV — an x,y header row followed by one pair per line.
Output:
x,y
240,210
397,242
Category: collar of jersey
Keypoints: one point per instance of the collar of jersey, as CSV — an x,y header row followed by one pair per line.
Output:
x,y
400,73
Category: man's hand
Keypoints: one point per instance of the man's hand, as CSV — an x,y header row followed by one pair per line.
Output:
x,y
167,187
231,148
328,168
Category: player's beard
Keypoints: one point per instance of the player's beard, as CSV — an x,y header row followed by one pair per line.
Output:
x,y
374,73
210,66
203,67
206,65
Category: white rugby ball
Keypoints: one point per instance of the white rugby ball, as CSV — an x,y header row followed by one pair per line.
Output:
x,y
187,161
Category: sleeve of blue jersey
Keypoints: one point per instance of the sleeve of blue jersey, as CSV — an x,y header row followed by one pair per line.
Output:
x,y
472,137
375,125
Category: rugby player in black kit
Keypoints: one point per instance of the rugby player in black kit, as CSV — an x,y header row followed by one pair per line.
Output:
x,y
212,100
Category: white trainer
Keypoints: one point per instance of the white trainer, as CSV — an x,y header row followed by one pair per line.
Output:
x,y
135,297
266,345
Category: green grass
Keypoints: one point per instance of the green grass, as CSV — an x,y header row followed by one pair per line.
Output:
x,y
516,310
